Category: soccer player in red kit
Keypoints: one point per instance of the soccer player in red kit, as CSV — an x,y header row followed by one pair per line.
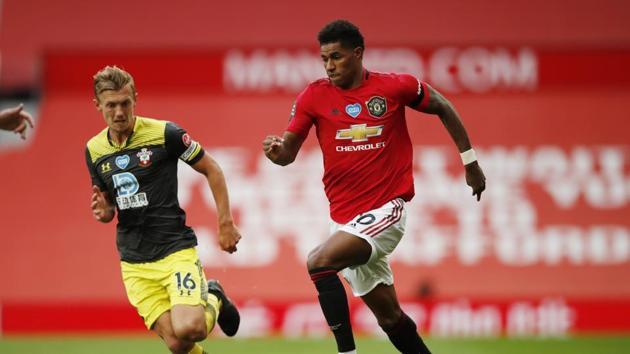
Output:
x,y
359,117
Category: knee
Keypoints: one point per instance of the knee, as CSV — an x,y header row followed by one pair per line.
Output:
x,y
390,320
193,330
317,259
178,346
311,258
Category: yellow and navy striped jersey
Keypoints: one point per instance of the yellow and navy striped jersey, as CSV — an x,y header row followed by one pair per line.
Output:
x,y
140,177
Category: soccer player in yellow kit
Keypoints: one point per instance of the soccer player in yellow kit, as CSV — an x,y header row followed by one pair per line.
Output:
x,y
133,166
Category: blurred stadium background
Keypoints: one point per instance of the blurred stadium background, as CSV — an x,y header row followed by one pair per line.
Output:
x,y
543,87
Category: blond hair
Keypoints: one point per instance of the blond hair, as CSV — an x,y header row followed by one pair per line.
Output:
x,y
112,78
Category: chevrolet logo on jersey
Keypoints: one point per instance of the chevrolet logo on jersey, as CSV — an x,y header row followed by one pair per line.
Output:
x,y
359,132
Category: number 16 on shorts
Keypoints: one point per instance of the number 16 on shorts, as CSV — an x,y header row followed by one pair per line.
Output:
x,y
185,284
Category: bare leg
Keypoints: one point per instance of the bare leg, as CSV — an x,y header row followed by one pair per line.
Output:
x,y
339,251
164,329
189,322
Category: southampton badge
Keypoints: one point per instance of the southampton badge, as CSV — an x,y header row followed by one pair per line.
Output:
x,y
145,157
377,106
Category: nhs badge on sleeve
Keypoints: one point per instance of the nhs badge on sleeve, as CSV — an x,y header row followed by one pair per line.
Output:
x,y
353,110
122,161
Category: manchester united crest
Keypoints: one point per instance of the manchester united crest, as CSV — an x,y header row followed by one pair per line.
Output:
x,y
144,157
377,106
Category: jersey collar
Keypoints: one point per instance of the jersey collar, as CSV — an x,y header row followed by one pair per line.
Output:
x,y
366,75
127,141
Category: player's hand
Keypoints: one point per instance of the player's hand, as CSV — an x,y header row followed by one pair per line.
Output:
x,y
229,236
475,179
271,146
16,119
102,210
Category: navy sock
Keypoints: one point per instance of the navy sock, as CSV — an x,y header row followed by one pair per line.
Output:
x,y
405,337
334,303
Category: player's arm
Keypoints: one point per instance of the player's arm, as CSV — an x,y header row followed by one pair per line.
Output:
x,y
282,150
229,234
102,207
441,107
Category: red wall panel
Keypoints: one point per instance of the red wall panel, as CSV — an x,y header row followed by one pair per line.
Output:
x,y
553,222
29,28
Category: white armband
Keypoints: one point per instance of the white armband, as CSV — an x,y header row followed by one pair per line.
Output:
x,y
468,156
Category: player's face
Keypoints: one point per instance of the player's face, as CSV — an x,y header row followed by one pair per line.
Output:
x,y
342,64
117,108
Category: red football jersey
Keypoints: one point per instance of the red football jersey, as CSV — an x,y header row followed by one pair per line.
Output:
x,y
364,139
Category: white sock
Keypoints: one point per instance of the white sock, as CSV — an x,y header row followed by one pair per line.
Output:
x,y
350,352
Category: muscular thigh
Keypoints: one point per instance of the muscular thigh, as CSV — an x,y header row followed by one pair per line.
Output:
x,y
339,251
186,315
154,288
164,328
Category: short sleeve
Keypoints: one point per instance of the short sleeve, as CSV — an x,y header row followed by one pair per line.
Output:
x,y
300,121
96,179
180,145
413,92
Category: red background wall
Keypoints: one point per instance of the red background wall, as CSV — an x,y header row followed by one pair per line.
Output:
x,y
31,27
555,152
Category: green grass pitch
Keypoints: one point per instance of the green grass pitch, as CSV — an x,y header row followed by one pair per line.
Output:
x,y
145,344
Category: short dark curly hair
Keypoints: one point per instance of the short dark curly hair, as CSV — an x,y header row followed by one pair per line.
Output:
x,y
342,31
